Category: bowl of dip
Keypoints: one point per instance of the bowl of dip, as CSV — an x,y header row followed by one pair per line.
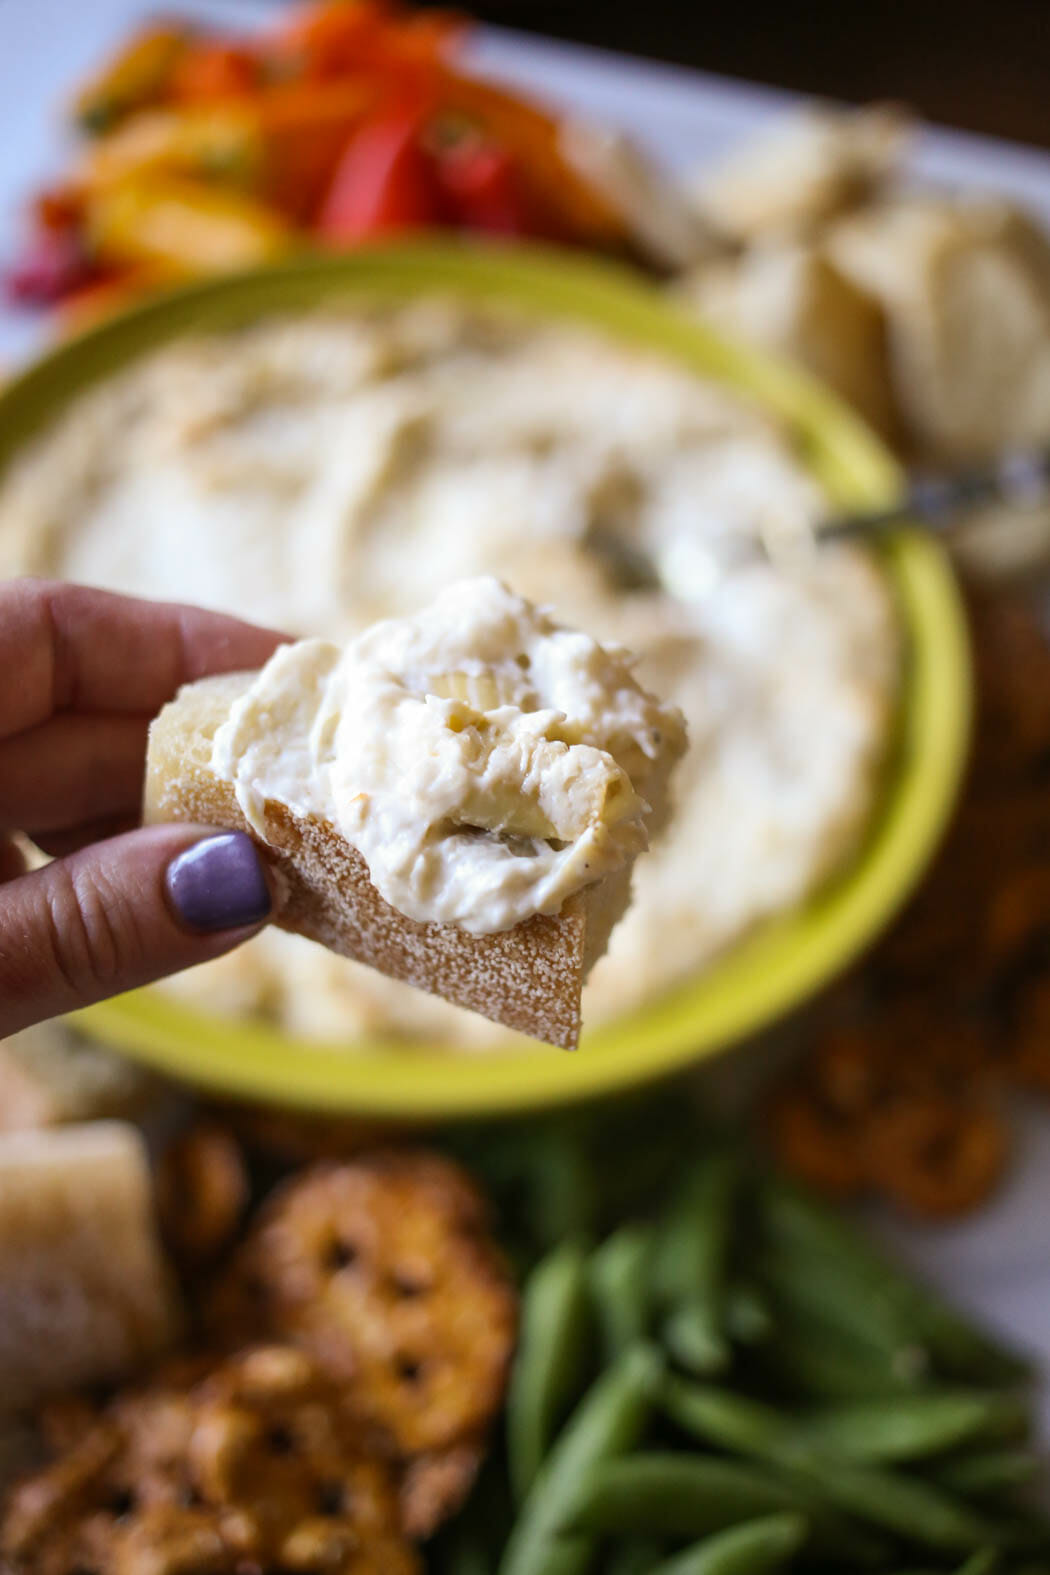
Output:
x,y
323,443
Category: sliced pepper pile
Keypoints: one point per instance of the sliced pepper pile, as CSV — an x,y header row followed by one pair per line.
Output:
x,y
349,122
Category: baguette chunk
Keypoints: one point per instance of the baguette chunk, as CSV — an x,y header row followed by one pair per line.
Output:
x,y
455,798
85,1293
529,978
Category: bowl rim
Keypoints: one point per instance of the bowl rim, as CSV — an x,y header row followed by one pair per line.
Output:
x,y
775,966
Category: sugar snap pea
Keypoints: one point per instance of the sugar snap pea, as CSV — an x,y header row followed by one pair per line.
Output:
x,y
982,1562
681,1495
903,1505
910,1508
608,1421
633,1556
755,1548
749,1320
911,1428
821,1363
465,1555
725,1419
987,1473
618,1275
690,1263
814,1230
814,1291
692,1495
549,1367
866,1432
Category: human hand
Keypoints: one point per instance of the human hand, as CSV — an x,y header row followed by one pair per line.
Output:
x,y
82,673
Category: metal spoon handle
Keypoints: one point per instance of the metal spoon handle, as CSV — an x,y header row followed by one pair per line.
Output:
x,y
1021,477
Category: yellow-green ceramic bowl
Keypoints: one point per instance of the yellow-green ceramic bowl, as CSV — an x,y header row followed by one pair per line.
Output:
x,y
775,967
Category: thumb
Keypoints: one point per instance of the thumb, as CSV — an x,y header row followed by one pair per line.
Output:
x,y
123,912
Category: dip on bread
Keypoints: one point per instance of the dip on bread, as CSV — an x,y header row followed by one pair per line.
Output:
x,y
485,762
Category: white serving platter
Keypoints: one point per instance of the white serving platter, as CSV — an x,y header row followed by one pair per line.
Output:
x,y
998,1263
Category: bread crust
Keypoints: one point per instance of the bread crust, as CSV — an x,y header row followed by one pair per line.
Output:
x,y
529,978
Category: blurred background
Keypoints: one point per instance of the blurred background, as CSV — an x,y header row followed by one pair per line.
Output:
x,y
976,65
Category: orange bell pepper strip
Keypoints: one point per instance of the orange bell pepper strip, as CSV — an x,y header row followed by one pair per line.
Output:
x,y
532,137
181,228
422,41
324,41
140,74
212,71
305,128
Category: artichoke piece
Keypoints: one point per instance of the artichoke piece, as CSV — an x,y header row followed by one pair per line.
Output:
x,y
482,691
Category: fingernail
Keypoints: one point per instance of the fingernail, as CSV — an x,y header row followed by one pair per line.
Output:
x,y
219,884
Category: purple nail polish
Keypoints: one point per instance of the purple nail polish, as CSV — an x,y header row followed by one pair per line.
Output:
x,y
219,884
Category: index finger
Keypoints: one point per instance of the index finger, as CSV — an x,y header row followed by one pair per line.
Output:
x,y
73,648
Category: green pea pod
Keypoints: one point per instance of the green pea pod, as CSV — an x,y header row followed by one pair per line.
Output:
x,y
632,1556
755,1548
607,1422
749,1319
814,1232
675,1495
691,1495
466,1557
564,1191
901,1429
910,1508
618,1274
903,1505
550,1365
983,1562
727,1420
988,1473
820,1363
814,1291
690,1262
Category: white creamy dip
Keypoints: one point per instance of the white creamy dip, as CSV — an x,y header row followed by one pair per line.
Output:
x,y
322,472
473,753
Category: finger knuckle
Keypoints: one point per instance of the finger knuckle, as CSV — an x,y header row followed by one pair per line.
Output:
x,y
91,930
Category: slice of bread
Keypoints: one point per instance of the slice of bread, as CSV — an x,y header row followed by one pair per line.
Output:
x,y
85,1293
529,978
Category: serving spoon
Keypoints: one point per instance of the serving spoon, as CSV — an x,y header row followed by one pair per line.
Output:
x,y
939,502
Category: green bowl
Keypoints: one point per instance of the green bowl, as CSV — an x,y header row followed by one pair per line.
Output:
x,y
776,966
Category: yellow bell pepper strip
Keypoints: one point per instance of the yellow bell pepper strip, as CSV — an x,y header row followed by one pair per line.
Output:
x,y
139,75
224,145
281,146
182,227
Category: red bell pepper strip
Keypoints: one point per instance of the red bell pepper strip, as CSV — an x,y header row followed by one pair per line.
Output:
x,y
482,190
53,264
385,182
